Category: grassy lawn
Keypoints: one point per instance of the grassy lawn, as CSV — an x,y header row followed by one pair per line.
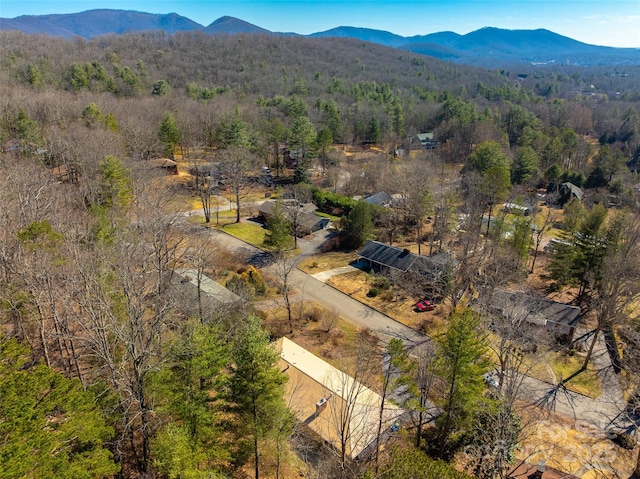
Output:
x,y
554,367
180,203
223,214
327,215
225,218
326,261
251,196
563,366
249,232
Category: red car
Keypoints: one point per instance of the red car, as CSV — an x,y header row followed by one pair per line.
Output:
x,y
424,305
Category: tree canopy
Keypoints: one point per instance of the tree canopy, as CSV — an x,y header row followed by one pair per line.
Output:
x,y
50,426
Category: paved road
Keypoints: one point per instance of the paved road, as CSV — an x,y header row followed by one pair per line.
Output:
x,y
603,412
345,306
354,311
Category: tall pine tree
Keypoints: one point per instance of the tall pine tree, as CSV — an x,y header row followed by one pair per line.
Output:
x,y
256,392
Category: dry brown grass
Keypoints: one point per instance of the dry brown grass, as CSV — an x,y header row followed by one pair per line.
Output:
x,y
394,302
326,261
574,447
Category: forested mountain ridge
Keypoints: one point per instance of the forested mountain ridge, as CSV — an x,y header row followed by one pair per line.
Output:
x,y
98,22
487,46
267,64
93,236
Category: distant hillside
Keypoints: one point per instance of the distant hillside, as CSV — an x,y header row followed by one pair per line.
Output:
x,y
231,26
366,34
489,47
494,46
98,22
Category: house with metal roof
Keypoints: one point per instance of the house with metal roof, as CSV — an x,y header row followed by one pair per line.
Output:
x,y
432,271
426,140
333,404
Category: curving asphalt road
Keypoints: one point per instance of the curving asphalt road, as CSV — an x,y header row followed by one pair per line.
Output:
x,y
602,413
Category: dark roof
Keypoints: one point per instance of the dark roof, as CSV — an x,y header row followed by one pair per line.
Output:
x,y
536,309
386,255
405,261
310,220
381,198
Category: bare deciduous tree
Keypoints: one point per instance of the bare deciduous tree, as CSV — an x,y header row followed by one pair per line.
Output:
x,y
234,166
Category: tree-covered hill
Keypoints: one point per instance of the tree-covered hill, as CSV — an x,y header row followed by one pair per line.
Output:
x,y
492,47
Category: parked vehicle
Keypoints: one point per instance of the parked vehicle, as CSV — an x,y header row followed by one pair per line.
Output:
x,y
491,380
423,305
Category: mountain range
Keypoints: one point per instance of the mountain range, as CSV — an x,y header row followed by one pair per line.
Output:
x,y
488,46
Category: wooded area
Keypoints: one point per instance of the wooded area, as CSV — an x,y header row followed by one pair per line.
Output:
x,y
130,375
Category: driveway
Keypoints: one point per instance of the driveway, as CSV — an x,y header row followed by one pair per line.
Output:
x,y
602,412
307,287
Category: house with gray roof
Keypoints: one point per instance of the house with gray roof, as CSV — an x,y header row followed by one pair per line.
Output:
x,y
381,198
308,221
425,140
558,318
215,293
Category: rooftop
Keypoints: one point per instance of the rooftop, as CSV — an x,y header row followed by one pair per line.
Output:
x,y
403,260
312,379
213,290
536,310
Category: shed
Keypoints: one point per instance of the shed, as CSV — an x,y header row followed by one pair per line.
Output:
x,y
165,164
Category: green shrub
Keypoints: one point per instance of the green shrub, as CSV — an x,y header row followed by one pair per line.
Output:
x,y
240,285
373,292
255,279
381,282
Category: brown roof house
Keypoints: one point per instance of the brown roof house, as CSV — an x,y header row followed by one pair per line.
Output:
x,y
341,410
170,167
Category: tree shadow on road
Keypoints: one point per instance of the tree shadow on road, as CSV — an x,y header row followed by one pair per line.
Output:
x,y
549,400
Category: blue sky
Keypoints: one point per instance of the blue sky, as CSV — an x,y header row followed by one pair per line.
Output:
x,y
599,22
